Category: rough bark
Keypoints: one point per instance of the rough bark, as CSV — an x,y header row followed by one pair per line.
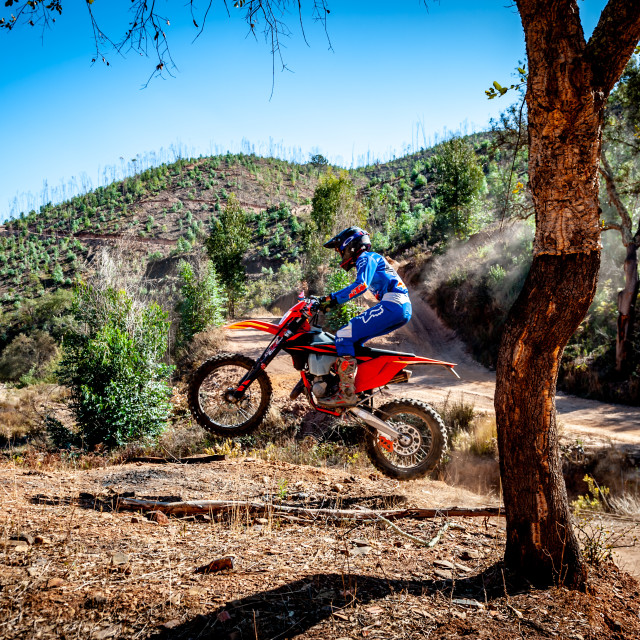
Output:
x,y
541,544
569,81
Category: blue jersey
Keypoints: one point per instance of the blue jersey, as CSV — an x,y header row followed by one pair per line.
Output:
x,y
375,273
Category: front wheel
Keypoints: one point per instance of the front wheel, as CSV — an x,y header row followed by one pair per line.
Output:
x,y
421,445
208,396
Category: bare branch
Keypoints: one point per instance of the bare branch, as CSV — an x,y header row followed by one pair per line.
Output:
x,y
616,202
145,31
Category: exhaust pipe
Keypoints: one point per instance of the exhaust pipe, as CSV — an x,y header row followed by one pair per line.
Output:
x,y
401,377
375,422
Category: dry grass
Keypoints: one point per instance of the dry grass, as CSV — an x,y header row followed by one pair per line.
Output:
x,y
480,440
22,410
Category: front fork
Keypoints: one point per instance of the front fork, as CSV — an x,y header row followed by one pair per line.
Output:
x,y
275,346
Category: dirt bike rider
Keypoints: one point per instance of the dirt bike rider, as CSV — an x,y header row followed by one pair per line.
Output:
x,y
392,311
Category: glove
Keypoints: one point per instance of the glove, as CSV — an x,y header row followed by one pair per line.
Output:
x,y
326,303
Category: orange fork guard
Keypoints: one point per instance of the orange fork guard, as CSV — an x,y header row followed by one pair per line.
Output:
x,y
255,324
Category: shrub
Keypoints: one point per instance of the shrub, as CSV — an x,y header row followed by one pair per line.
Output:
x,y
28,355
112,364
420,181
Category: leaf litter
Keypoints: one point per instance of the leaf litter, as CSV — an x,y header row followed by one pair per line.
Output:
x,y
97,573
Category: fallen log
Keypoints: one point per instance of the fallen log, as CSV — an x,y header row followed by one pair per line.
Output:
x,y
189,460
211,507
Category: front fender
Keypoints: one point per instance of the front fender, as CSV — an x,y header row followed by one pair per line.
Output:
x,y
268,327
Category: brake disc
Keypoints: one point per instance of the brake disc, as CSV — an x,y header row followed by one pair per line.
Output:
x,y
409,442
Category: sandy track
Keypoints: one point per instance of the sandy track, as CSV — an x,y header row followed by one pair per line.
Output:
x,y
425,335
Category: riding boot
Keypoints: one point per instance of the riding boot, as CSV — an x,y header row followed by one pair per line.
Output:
x,y
346,368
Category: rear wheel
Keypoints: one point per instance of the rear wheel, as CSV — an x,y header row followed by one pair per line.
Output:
x,y
422,443
208,396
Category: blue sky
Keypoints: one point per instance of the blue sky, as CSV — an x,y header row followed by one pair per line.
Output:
x,y
397,74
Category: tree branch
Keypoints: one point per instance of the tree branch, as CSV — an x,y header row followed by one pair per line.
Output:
x,y
613,41
616,202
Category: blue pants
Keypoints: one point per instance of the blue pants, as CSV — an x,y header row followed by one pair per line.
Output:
x,y
384,318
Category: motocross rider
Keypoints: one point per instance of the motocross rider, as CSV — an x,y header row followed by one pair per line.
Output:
x,y
392,311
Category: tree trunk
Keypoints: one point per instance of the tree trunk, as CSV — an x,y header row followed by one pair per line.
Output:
x,y
627,297
541,545
627,310
567,87
565,116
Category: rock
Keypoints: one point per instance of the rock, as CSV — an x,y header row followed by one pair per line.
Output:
x,y
197,592
95,600
467,602
361,542
337,487
375,610
262,521
55,583
444,564
357,551
266,480
135,520
469,554
224,616
443,574
221,564
175,599
158,516
18,546
170,624
119,559
23,537
34,571
108,632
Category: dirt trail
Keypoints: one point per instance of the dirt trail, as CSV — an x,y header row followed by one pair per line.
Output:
x,y
425,335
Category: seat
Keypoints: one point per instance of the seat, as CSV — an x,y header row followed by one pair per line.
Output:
x,y
370,352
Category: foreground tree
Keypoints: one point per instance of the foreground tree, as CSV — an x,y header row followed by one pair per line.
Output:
x,y
568,84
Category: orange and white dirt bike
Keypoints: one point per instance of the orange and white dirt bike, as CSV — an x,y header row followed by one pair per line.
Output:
x,y
229,394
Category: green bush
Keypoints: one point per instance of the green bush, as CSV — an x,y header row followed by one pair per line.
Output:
x,y
113,365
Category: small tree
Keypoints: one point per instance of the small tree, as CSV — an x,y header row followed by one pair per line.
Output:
x,y
203,301
460,180
112,363
335,203
58,274
226,246
336,318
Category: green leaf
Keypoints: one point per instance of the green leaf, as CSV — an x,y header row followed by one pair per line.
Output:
x,y
497,85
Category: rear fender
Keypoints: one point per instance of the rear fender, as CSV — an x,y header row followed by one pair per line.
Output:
x,y
377,372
